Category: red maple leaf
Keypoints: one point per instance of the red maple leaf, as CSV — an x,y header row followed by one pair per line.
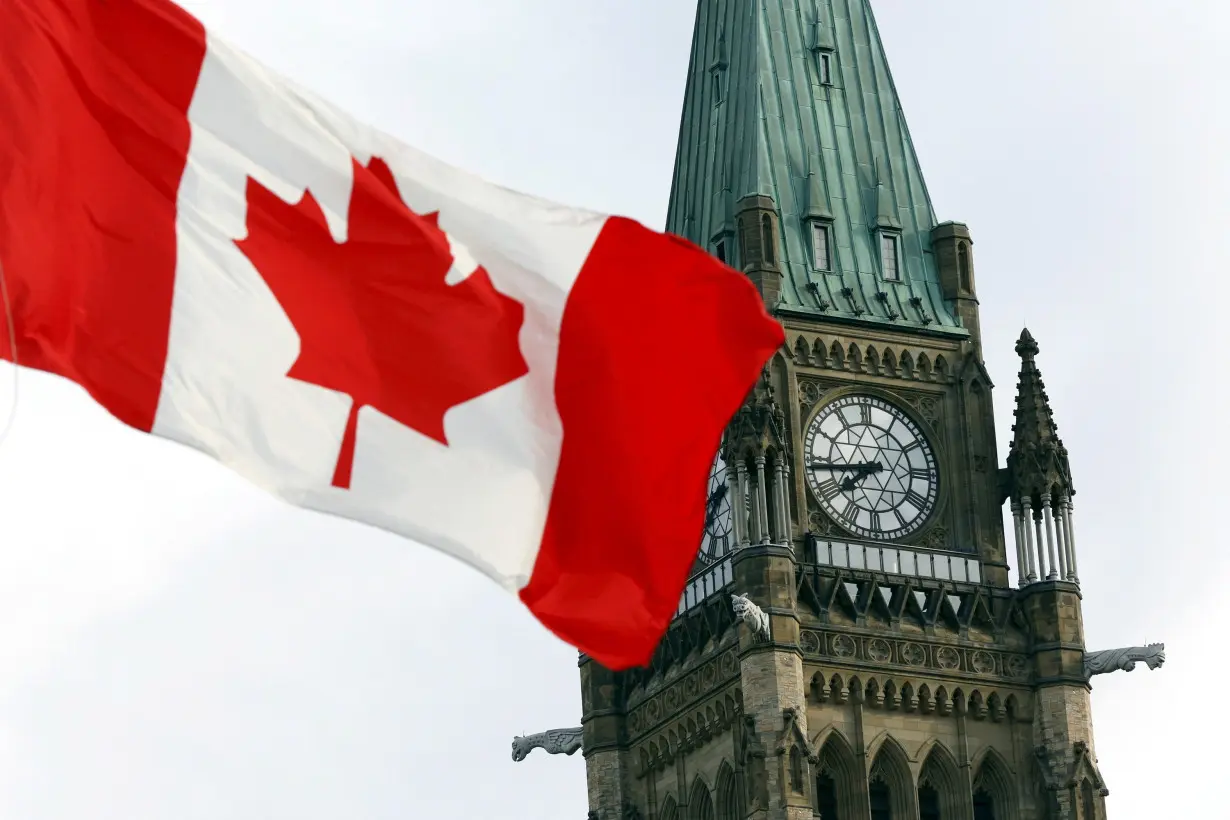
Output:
x,y
375,317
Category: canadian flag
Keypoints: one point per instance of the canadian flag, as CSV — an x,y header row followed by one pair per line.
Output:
x,y
223,259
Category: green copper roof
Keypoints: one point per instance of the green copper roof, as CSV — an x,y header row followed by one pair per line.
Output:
x,y
758,120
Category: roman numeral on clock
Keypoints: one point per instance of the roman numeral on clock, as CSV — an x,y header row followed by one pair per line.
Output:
x,y
864,413
829,489
917,500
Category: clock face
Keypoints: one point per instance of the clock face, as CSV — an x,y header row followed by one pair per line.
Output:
x,y
718,537
871,468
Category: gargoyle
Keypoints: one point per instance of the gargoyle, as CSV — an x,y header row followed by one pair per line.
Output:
x,y
553,742
755,617
1112,660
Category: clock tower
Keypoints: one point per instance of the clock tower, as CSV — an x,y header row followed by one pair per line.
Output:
x,y
853,643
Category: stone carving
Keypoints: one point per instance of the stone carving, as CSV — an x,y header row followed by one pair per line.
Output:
x,y
755,617
1112,660
1015,666
913,654
644,715
878,650
843,646
982,662
553,742
947,658
934,538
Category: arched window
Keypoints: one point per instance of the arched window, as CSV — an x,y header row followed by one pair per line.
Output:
x,y
966,281
669,811
796,770
1088,807
730,802
826,797
881,801
984,805
928,803
701,804
766,240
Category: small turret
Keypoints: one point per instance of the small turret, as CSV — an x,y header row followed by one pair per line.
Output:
x,y
1039,480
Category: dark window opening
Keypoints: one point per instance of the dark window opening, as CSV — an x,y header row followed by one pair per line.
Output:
x,y
984,806
719,251
928,803
766,239
966,281
881,801
826,797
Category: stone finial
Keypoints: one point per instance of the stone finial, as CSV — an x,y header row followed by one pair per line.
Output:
x,y
1112,660
552,741
1037,459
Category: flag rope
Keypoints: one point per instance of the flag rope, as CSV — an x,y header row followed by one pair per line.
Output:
x,y
12,333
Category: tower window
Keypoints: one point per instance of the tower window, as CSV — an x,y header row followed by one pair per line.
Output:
x,y
766,240
717,87
966,281
824,65
820,246
890,257
719,250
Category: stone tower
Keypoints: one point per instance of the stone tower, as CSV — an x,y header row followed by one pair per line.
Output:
x,y
850,645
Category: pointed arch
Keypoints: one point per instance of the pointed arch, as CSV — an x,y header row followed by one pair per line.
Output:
x,y
837,355
819,353
994,795
891,783
854,357
907,365
768,246
890,362
941,368
872,357
730,802
837,789
939,785
700,801
924,367
669,810
1089,802
802,351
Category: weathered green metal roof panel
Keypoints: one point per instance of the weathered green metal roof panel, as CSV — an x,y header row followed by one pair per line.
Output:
x,y
758,120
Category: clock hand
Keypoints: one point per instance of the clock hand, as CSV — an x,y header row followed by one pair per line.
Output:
x,y
862,471
875,466
711,506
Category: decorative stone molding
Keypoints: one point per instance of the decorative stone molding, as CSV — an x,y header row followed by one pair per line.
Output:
x,y
1113,660
916,654
910,694
844,355
680,695
687,733
552,741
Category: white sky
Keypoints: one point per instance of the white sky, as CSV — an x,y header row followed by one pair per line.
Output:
x,y
174,644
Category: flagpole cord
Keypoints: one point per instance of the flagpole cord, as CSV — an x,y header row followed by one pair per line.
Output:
x,y
11,326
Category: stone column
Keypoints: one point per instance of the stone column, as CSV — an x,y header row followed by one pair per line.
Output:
x,y
1018,536
1050,537
1027,525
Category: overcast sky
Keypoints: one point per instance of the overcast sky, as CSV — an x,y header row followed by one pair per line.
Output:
x,y
174,645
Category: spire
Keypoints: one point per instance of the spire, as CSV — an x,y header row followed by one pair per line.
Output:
x,y
794,102
1038,460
